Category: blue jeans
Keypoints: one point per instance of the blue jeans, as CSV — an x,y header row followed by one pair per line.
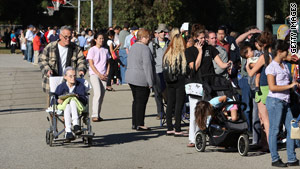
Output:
x,y
246,95
280,110
29,51
123,59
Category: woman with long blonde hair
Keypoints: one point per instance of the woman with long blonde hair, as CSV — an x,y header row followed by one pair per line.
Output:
x,y
174,70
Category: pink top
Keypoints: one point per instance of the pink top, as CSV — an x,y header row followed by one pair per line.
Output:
x,y
100,57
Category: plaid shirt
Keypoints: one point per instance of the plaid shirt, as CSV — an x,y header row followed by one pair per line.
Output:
x,y
49,59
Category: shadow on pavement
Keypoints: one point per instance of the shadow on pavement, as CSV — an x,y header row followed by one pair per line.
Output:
x,y
16,111
126,118
112,139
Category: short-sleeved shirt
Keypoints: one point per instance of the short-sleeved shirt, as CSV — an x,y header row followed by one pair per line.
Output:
x,y
127,41
282,78
109,42
208,54
99,57
82,41
224,45
122,37
29,35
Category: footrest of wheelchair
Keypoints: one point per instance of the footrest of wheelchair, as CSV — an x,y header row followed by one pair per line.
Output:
x,y
87,135
59,139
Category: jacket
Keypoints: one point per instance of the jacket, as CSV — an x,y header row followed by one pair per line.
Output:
x,y
36,43
63,89
49,60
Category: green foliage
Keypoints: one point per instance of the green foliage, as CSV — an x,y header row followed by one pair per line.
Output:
x,y
237,14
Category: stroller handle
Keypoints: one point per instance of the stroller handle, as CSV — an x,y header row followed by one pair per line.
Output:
x,y
234,102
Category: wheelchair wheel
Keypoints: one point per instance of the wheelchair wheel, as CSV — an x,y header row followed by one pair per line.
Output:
x,y
47,137
51,139
200,141
243,144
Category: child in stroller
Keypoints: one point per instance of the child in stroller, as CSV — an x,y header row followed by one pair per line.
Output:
x,y
204,111
71,98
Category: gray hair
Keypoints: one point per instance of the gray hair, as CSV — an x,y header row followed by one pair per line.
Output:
x,y
65,28
67,69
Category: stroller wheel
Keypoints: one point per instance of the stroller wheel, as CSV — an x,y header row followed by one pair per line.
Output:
x,y
200,141
243,144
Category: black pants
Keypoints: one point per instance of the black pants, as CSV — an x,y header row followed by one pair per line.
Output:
x,y
13,48
140,98
113,71
158,91
176,98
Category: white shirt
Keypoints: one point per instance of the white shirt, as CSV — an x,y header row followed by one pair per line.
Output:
x,y
29,35
109,42
71,89
50,33
116,39
63,52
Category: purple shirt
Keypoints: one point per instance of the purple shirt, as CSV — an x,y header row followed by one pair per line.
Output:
x,y
99,57
282,78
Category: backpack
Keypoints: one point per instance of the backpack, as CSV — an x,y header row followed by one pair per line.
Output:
x,y
155,46
169,76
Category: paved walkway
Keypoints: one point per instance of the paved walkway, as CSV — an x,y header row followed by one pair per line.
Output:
x,y
23,124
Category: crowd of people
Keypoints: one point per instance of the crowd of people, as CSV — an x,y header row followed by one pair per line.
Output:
x,y
162,60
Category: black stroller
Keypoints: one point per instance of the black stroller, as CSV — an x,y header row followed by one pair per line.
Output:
x,y
221,131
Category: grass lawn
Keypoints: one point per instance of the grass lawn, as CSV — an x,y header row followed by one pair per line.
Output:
x,y
3,50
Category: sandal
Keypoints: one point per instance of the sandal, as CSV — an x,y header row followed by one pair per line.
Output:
x,y
170,132
110,89
181,134
191,145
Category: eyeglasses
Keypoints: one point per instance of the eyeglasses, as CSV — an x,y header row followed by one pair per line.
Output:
x,y
67,37
71,76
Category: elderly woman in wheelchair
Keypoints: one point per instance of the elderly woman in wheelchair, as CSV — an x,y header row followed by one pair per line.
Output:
x,y
71,98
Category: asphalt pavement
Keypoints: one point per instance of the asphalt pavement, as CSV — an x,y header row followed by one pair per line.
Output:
x,y
23,126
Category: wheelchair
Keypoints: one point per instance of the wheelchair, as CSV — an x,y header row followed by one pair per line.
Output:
x,y
55,118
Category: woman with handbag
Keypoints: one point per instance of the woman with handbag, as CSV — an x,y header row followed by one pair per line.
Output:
x,y
113,61
174,70
278,107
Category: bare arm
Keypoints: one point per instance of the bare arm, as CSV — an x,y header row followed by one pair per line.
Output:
x,y
243,36
111,48
199,56
275,88
107,70
101,76
221,63
222,99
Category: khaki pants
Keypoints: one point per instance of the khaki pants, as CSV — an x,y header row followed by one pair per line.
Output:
x,y
99,87
36,56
